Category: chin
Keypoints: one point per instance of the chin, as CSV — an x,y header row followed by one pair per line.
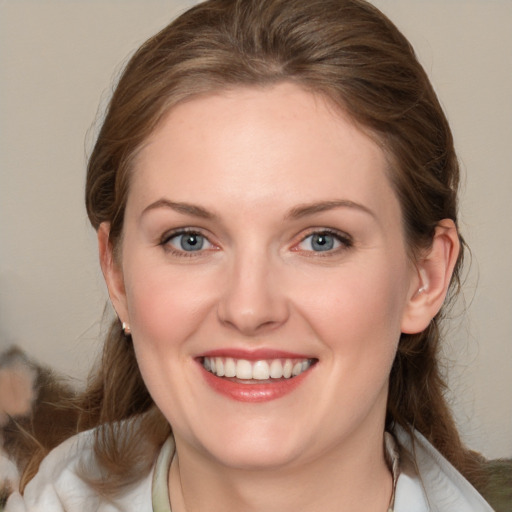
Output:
x,y
256,457
251,448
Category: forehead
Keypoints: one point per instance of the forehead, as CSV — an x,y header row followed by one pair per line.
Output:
x,y
259,144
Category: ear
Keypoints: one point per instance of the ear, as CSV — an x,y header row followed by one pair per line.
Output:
x,y
433,274
112,272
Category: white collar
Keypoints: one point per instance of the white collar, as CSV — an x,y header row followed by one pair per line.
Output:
x,y
429,483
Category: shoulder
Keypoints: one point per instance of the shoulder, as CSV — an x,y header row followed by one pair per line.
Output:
x,y
428,482
58,486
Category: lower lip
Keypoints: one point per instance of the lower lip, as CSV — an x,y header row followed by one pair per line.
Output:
x,y
264,392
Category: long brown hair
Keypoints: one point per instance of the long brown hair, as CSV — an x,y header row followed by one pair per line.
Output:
x,y
352,54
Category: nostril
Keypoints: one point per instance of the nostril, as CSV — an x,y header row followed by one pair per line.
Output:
x,y
250,324
251,299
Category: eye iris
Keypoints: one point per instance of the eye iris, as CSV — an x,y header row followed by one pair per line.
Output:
x,y
192,242
322,242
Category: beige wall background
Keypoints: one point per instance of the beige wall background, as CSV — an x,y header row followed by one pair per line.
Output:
x,y
58,60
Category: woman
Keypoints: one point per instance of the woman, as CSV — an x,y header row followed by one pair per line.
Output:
x,y
275,194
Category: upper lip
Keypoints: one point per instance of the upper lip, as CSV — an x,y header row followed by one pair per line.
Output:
x,y
255,354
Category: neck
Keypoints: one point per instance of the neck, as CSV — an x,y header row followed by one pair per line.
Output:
x,y
351,477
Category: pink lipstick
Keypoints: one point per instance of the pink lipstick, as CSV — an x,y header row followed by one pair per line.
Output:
x,y
254,376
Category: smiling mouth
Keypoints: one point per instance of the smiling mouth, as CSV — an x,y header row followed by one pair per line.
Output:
x,y
261,370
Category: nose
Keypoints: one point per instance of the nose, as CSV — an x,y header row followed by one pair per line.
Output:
x,y
253,300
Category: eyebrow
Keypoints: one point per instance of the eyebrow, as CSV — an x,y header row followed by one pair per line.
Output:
x,y
297,212
309,209
184,208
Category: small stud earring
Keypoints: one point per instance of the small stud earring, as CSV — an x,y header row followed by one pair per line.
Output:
x,y
126,329
422,289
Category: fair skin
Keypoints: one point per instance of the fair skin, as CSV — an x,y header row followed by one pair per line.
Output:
x,y
293,249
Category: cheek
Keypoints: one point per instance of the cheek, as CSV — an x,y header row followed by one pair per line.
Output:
x,y
363,301
166,306
358,314
166,309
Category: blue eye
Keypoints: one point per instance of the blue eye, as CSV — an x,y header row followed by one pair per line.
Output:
x,y
188,242
323,241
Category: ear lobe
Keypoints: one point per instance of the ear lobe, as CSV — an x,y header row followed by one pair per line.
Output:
x,y
434,272
112,272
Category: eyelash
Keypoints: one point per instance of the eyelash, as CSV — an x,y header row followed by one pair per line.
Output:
x,y
167,237
343,239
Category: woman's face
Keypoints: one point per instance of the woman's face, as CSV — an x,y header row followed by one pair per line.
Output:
x,y
262,237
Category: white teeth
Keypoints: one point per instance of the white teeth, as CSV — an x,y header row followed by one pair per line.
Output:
x,y
230,368
255,370
287,369
276,369
243,369
261,370
297,369
219,365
